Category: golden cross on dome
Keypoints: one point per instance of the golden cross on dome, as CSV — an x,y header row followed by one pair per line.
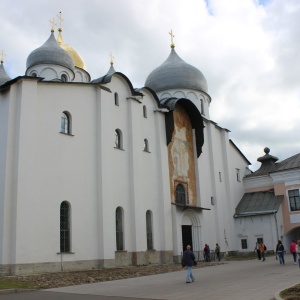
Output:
x,y
2,56
111,58
53,24
172,36
60,19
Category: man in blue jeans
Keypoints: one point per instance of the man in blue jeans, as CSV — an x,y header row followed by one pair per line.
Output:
x,y
188,260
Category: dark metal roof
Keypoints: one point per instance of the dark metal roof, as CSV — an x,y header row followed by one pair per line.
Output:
x,y
3,75
50,53
289,163
269,165
258,203
175,73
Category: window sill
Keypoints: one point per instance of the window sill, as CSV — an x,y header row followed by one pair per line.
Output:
x,y
119,149
65,253
66,133
146,151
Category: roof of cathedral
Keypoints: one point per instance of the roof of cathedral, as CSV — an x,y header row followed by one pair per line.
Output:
x,y
269,165
175,73
50,53
107,77
78,61
3,75
258,203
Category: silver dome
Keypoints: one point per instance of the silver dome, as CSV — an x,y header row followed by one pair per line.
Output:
x,y
175,73
3,75
50,53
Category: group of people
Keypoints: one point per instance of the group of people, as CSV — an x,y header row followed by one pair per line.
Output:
x,y
260,248
189,260
206,252
294,249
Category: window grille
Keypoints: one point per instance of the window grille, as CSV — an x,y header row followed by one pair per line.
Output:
x,y
294,200
244,244
65,126
180,194
64,227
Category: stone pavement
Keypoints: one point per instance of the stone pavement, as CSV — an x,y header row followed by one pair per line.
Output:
x,y
244,280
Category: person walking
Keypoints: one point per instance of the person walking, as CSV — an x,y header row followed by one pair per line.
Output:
x,y
262,251
298,251
257,249
293,251
280,252
188,260
205,252
217,251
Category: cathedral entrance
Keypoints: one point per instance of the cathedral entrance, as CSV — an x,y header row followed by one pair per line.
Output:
x,y
186,236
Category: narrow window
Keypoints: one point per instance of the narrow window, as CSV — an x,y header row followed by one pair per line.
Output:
x,y
119,229
118,139
65,227
180,194
116,99
220,176
244,244
144,111
149,230
65,125
238,174
146,145
202,106
64,78
294,200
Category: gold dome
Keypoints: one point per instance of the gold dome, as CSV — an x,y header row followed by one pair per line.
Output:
x,y
78,61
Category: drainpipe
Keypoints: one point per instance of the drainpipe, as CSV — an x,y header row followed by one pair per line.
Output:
x,y
276,226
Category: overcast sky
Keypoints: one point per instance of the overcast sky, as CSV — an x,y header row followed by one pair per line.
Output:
x,y
248,50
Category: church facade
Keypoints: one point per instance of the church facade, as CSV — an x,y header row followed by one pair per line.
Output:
x,y
96,173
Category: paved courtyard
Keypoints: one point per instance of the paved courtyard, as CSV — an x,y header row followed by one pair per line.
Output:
x,y
245,280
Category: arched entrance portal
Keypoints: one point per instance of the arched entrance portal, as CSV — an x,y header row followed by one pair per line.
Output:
x,y
190,230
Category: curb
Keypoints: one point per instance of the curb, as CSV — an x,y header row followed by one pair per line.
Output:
x,y
13,291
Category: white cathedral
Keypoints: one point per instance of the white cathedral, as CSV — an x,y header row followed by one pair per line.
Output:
x,y
96,173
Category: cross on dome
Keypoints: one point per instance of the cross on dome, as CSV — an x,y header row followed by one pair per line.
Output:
x,y
172,36
2,56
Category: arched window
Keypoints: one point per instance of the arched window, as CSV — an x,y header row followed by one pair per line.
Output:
x,y
202,106
118,139
119,229
64,78
116,99
65,126
144,111
33,75
146,145
65,239
180,194
149,230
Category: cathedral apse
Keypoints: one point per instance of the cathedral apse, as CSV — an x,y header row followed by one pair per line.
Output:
x,y
182,159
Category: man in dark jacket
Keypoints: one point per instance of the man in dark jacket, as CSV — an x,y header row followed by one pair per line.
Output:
x,y
188,260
